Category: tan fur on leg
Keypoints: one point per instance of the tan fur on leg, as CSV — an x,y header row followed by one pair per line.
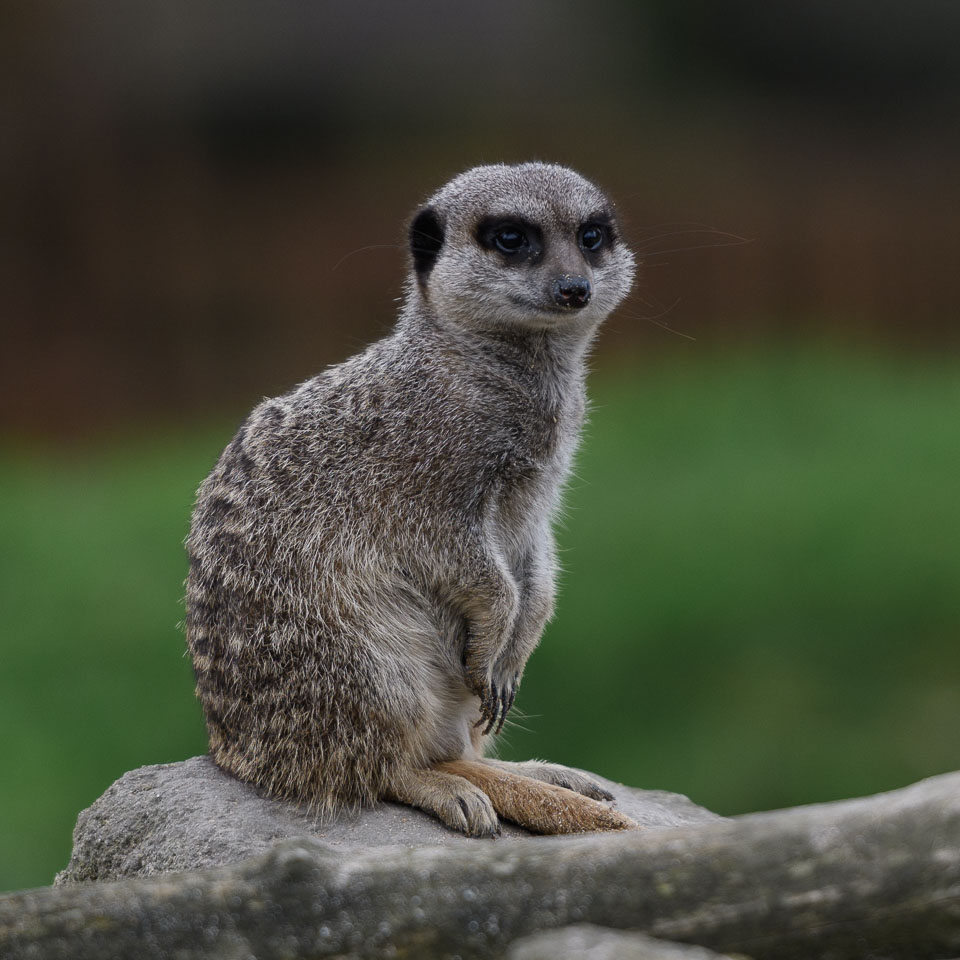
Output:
x,y
538,806
454,800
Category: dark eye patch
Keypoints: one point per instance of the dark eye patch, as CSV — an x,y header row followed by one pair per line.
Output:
x,y
596,234
514,238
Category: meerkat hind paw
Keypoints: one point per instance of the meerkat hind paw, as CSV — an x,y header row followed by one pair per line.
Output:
x,y
453,800
471,813
536,804
556,774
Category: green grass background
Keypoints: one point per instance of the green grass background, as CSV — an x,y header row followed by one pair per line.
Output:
x,y
760,604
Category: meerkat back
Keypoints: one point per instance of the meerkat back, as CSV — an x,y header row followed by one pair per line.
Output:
x,y
371,559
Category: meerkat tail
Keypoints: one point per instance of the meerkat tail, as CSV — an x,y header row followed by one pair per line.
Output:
x,y
539,807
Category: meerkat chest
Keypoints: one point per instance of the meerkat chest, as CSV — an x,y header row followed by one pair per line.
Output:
x,y
533,473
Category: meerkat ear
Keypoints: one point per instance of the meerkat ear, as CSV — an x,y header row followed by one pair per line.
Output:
x,y
426,239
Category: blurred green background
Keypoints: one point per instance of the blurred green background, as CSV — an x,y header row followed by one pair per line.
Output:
x,y
761,591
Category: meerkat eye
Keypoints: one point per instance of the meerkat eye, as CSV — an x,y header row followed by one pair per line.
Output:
x,y
517,240
591,237
510,239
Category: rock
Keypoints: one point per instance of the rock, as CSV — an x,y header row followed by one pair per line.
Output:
x,y
586,942
875,877
189,815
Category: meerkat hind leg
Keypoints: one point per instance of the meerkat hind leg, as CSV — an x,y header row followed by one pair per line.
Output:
x,y
535,804
554,773
452,799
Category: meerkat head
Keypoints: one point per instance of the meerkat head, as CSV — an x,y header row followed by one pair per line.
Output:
x,y
533,245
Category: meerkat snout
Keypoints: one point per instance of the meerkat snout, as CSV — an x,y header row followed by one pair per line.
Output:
x,y
572,292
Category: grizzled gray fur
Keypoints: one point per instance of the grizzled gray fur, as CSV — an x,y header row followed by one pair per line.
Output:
x,y
371,559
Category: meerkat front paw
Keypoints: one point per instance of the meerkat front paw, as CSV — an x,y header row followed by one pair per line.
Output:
x,y
496,695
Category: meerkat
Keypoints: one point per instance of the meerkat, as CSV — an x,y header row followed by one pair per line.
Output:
x,y
371,559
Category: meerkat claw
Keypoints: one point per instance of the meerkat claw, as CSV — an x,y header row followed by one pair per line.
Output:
x,y
491,720
488,707
506,702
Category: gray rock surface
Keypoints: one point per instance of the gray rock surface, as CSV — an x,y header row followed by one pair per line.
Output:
x,y
190,815
586,942
862,879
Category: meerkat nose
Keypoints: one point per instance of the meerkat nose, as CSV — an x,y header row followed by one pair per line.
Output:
x,y
571,291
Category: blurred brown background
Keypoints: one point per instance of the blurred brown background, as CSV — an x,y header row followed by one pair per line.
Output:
x,y
200,202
